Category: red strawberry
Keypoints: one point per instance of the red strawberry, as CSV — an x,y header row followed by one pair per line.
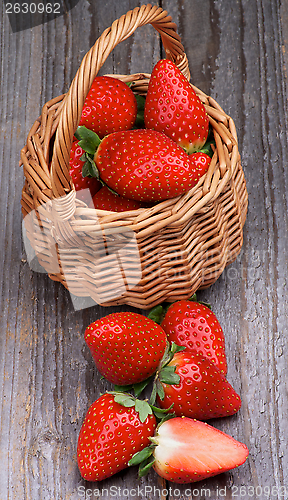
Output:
x,y
104,199
195,326
81,184
146,165
126,347
109,106
173,107
201,391
201,160
186,450
113,430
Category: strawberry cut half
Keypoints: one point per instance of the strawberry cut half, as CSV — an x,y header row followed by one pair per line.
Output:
x,y
185,450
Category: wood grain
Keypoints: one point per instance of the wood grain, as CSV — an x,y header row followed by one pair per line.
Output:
x,y
237,53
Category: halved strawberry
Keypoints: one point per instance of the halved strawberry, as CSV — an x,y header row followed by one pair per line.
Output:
x,y
185,450
173,107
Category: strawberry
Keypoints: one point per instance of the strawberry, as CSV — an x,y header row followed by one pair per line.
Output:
x,y
104,199
115,427
81,184
185,450
195,387
196,327
201,160
173,107
126,346
110,106
146,165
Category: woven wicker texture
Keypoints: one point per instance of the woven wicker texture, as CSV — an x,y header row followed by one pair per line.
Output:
x,y
141,257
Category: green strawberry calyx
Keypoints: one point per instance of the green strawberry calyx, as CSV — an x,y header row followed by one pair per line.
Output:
x,y
144,459
165,374
89,141
142,406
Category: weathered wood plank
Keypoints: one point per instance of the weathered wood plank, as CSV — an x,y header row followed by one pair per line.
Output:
x,y
237,53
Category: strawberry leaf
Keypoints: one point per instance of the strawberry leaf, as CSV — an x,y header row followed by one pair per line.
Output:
x,y
88,140
124,400
160,390
176,348
141,455
139,122
169,353
123,388
145,466
157,314
89,168
153,394
163,414
168,376
194,297
138,388
143,408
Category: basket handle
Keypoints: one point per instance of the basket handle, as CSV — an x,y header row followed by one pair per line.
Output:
x,y
73,102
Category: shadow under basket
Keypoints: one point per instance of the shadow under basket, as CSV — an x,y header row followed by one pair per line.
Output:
x,y
146,256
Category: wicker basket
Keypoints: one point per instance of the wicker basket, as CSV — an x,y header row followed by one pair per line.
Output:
x,y
141,257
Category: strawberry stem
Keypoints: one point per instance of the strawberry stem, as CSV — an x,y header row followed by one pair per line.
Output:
x,y
165,374
88,140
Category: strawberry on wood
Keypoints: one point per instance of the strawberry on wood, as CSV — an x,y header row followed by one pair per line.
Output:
x,y
195,326
194,387
185,450
126,346
116,426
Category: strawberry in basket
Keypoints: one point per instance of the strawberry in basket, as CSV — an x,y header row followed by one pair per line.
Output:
x,y
105,199
174,108
85,187
143,165
110,106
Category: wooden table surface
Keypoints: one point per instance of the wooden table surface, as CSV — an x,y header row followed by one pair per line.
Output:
x,y
238,53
